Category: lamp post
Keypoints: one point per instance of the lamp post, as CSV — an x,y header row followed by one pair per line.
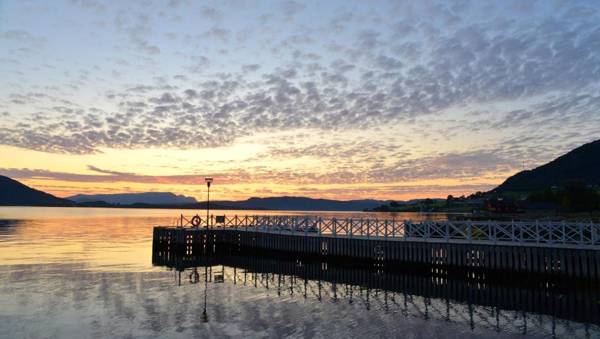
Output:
x,y
208,180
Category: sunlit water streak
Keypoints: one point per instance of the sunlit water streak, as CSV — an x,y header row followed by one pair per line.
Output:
x,y
76,273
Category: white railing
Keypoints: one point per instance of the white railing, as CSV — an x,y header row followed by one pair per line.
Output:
x,y
553,234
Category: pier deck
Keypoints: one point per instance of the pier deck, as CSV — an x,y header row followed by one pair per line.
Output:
x,y
570,249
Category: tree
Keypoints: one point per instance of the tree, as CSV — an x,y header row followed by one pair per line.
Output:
x,y
577,197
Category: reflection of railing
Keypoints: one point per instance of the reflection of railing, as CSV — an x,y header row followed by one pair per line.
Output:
x,y
474,302
546,234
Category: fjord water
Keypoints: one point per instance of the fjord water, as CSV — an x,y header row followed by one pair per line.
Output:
x,y
86,272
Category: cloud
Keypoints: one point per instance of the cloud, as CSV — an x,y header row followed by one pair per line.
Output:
x,y
310,184
211,13
17,35
218,33
250,68
108,176
200,64
472,164
291,8
534,81
90,4
178,3
22,42
138,28
387,63
113,173
368,39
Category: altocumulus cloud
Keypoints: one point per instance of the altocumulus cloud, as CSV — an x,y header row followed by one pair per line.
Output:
x,y
532,65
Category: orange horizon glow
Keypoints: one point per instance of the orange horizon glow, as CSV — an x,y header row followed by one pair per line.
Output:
x,y
258,174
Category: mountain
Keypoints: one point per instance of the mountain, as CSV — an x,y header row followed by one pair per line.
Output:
x,y
303,204
13,193
148,198
581,164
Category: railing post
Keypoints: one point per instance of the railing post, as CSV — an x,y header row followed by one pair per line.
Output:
x,y
447,231
333,227
368,229
305,228
470,232
386,229
350,227
320,222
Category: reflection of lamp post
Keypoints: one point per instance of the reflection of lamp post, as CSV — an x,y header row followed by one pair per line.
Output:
x,y
208,180
204,313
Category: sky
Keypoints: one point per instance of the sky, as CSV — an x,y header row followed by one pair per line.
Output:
x,y
326,99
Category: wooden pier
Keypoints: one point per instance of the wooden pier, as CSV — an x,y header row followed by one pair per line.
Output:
x,y
566,249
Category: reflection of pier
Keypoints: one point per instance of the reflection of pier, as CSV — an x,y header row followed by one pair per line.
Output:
x,y
537,307
564,249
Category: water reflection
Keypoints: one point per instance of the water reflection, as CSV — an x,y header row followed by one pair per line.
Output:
x,y
5,223
541,306
8,228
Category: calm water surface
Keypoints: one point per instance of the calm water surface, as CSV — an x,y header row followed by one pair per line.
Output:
x,y
78,273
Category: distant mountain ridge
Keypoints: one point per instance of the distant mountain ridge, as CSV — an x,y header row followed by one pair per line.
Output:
x,y
152,198
581,164
271,203
303,204
14,193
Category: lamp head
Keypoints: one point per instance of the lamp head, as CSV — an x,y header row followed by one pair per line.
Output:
x,y
208,180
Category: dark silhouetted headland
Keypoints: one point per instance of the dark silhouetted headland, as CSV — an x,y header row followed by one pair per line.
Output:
x,y
581,164
14,193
